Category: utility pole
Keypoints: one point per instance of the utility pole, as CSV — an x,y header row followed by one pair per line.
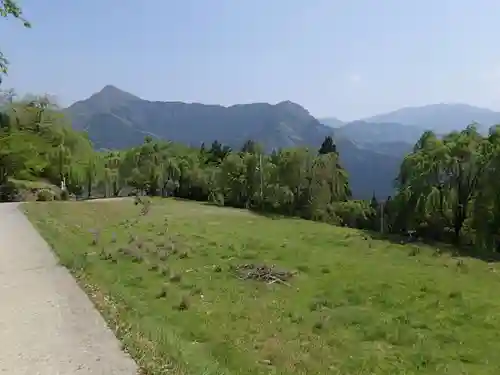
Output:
x,y
382,217
261,180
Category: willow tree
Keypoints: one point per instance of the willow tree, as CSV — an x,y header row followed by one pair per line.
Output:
x,y
486,210
91,170
112,179
439,180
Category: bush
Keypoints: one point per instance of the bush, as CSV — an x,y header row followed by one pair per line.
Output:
x,y
9,192
45,195
354,214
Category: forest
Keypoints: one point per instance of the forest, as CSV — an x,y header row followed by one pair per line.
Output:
x,y
446,190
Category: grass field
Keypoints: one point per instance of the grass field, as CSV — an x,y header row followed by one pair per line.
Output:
x,y
355,305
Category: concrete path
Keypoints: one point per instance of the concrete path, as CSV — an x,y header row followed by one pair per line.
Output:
x,y
48,326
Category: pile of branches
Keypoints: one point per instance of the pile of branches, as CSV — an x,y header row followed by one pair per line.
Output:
x,y
268,274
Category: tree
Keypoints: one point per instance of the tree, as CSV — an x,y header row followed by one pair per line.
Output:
x,y
217,153
439,181
112,162
91,169
328,146
9,8
249,147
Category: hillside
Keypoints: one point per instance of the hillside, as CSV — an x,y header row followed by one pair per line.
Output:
x,y
372,133
182,288
115,119
442,118
332,122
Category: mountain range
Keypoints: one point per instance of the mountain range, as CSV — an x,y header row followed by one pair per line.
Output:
x,y
371,150
407,124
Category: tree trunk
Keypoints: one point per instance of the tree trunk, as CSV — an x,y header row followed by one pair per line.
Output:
x,y
89,188
458,223
116,189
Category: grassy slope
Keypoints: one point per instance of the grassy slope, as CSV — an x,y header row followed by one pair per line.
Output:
x,y
357,306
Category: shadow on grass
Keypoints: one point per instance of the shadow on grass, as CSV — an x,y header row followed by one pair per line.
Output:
x,y
467,251
271,215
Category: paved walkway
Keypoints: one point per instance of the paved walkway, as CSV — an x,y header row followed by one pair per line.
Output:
x,y
48,326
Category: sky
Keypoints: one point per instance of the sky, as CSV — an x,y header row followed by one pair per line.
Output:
x,y
344,58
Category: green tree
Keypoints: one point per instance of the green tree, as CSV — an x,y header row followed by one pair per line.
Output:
x,y
91,168
112,162
10,8
328,146
439,181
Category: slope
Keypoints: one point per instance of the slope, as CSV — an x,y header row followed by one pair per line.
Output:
x,y
332,122
177,294
371,133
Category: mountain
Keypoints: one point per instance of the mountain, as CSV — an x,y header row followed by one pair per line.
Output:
x,y
109,97
372,133
371,170
442,118
396,149
332,122
115,119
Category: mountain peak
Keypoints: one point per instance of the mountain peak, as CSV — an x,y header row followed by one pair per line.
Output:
x,y
289,103
294,108
110,91
109,97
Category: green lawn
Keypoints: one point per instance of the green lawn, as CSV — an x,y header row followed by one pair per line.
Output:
x,y
355,306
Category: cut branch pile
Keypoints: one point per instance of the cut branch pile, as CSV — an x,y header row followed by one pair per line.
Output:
x,y
268,274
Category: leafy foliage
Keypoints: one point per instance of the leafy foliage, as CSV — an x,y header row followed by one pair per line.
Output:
x,y
448,188
10,8
36,143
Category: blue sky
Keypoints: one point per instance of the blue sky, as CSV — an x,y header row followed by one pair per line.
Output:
x,y
344,58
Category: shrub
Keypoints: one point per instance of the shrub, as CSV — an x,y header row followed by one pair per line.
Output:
x,y
45,195
354,214
9,192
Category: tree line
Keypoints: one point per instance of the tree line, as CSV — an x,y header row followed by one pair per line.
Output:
x,y
446,189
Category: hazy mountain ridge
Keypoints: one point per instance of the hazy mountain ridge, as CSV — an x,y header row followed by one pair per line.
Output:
x,y
332,122
406,125
373,133
441,118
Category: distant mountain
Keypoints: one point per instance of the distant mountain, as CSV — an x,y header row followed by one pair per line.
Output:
x,y
442,118
372,133
96,116
115,119
107,99
371,170
332,122
396,149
